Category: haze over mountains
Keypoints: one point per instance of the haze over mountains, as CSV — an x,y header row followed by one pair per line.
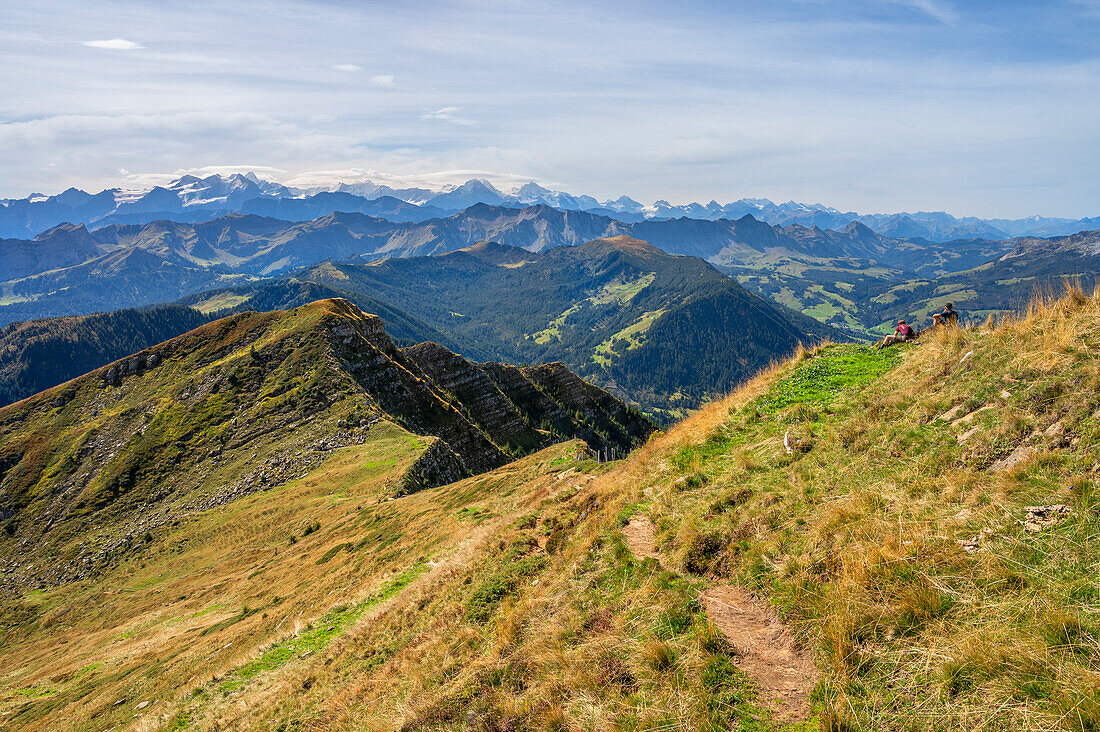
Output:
x,y
190,198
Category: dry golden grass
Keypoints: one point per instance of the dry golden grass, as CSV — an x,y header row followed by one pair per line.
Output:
x,y
200,600
532,613
913,631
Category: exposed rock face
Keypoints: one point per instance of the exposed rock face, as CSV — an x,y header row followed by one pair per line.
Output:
x,y
403,390
517,410
438,465
486,404
518,406
559,401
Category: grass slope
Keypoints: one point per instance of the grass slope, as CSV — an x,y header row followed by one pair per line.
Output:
x,y
895,541
878,500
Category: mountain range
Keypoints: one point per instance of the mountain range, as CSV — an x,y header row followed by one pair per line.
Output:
x,y
191,198
837,276
612,299
618,311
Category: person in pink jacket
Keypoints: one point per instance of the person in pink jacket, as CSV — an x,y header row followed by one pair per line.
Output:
x,y
904,332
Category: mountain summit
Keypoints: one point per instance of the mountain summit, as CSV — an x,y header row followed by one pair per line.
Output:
x,y
245,403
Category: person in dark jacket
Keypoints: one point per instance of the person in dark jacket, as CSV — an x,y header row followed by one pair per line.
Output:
x,y
904,332
948,316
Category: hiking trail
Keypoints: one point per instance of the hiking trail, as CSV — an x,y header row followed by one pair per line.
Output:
x,y
763,646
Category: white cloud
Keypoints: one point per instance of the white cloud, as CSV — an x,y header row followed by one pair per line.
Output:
x,y
448,114
433,180
832,100
167,141
115,44
348,68
935,9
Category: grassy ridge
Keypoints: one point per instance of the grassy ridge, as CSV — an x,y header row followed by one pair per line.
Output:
x,y
200,595
879,500
895,540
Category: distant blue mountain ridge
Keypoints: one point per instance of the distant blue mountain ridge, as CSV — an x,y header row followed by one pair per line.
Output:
x,y
192,199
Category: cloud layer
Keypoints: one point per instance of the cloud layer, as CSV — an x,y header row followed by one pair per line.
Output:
x,y
114,44
985,108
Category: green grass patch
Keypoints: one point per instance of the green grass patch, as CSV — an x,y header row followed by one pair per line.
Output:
x,y
516,565
818,379
474,514
319,634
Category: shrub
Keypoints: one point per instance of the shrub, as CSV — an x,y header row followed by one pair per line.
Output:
x,y
706,553
659,655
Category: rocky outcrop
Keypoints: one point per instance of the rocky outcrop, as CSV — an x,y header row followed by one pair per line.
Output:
x,y
623,425
438,465
480,397
486,413
561,403
404,391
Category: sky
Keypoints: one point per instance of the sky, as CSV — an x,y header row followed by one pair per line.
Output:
x,y
986,107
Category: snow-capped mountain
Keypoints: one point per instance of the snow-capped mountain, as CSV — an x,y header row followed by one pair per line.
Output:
x,y
191,198
215,189
533,193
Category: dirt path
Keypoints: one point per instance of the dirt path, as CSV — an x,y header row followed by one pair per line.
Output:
x,y
763,646
640,537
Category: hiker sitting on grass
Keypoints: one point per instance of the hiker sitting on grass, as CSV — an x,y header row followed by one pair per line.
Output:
x,y
949,315
904,332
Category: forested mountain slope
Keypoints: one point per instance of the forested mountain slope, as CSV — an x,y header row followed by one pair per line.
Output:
x,y
664,331
39,354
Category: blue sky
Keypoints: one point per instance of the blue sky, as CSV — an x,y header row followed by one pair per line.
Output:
x,y
976,108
